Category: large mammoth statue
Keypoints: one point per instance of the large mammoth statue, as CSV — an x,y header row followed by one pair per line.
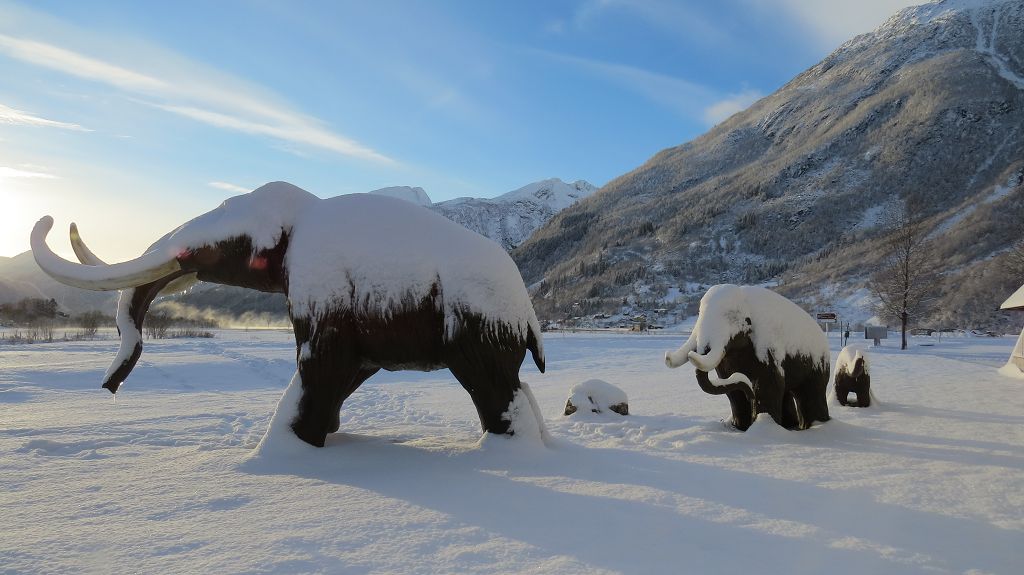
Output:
x,y
372,283
771,357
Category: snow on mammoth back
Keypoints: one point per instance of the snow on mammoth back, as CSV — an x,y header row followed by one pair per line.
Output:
x,y
372,253
776,324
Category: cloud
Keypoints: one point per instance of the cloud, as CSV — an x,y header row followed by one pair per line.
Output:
x,y
17,117
679,95
229,187
722,109
833,23
7,172
190,90
670,16
295,133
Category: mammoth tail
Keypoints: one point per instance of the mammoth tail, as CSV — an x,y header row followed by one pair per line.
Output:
x,y
536,347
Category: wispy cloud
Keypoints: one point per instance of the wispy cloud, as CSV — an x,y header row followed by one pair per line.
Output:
x,y
8,172
299,134
836,22
682,96
9,115
229,187
728,106
670,16
685,98
191,91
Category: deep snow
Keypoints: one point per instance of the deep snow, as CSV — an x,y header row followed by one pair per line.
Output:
x,y
164,478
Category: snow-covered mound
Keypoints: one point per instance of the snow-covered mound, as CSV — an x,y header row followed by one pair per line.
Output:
x,y
511,218
774,323
407,193
596,396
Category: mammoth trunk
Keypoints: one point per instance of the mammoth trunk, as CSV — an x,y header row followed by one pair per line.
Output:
x,y
131,313
741,396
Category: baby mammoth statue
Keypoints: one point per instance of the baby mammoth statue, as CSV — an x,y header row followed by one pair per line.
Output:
x,y
770,355
852,377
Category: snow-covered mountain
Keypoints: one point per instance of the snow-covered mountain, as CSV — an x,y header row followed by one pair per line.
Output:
x,y
407,193
507,219
929,108
510,218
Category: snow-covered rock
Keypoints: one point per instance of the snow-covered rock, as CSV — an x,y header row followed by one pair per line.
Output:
x,y
596,396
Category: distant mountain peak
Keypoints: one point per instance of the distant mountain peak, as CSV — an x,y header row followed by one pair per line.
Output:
x,y
407,193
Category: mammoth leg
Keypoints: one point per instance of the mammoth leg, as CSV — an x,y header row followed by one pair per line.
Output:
x,y
360,376
490,375
770,396
808,405
330,371
864,391
793,416
742,410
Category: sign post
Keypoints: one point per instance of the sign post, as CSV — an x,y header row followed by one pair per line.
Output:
x,y
828,317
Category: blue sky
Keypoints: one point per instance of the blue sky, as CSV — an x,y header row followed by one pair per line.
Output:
x,y
132,117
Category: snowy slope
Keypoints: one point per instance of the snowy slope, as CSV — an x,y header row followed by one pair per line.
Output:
x,y
793,190
162,480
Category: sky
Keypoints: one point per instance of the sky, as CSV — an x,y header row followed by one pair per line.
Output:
x,y
131,118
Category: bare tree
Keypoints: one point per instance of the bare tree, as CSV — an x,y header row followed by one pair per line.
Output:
x,y
906,285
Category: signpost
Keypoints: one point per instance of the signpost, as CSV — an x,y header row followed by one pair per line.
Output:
x,y
828,317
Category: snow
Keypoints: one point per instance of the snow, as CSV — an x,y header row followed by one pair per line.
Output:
x,y
596,394
410,194
552,192
776,325
374,254
168,479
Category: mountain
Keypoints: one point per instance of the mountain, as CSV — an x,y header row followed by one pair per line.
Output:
x,y
407,193
510,218
20,278
928,108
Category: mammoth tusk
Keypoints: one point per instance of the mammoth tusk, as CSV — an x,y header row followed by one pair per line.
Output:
x,y
679,357
708,361
145,269
87,257
82,251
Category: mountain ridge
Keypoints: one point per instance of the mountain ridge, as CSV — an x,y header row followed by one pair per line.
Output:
x,y
790,191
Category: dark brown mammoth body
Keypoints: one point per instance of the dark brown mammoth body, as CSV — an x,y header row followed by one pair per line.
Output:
x,y
857,382
795,398
345,350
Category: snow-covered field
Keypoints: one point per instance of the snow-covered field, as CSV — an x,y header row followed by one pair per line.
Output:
x,y
163,479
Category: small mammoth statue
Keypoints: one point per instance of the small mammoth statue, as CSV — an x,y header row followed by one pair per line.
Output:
x,y
770,356
852,376
371,282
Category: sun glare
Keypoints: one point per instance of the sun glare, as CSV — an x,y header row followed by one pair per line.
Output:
x,y
16,216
